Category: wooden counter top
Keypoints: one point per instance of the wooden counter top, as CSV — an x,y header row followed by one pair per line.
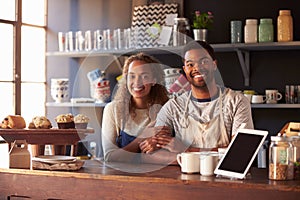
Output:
x,y
98,180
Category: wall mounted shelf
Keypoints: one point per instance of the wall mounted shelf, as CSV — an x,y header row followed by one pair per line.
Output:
x,y
69,104
275,106
242,49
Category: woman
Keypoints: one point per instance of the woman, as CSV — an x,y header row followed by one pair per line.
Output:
x,y
139,97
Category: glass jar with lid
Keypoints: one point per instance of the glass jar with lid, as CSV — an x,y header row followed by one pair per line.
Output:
x,y
296,158
250,31
281,165
181,31
284,26
265,30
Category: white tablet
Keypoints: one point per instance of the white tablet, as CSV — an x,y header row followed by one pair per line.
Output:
x,y
241,153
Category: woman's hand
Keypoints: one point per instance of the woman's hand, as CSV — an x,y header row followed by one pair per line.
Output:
x,y
149,144
170,143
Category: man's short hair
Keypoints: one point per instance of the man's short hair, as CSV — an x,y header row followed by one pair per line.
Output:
x,y
199,45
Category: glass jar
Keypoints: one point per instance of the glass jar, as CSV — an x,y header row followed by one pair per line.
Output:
x,y
250,31
296,158
281,165
181,31
266,30
284,26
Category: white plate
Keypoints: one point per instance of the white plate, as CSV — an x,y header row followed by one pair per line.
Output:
x,y
55,159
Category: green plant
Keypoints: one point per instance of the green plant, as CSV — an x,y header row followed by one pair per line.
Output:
x,y
202,20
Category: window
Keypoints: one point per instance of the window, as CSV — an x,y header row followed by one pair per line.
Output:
x,y
22,58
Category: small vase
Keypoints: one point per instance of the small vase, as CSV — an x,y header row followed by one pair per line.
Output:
x,y
200,34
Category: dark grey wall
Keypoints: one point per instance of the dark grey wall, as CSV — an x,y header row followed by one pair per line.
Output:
x,y
271,69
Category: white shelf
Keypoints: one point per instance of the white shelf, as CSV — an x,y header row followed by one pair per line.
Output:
x,y
69,104
223,47
116,52
275,105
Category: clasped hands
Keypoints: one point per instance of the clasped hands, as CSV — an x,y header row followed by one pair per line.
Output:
x,y
160,137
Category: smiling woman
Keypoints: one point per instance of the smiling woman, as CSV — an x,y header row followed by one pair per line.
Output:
x,y
23,82
139,97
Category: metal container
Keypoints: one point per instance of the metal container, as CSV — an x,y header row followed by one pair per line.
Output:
x,y
181,31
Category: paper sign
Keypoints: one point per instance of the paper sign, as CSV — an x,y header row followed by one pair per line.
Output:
x,y
170,19
165,35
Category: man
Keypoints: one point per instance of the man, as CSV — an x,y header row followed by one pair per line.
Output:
x,y
207,116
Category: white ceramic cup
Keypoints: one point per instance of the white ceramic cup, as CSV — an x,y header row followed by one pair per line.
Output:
x,y
208,163
189,162
258,99
272,96
60,89
249,97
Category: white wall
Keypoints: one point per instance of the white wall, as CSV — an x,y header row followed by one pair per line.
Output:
x,y
74,15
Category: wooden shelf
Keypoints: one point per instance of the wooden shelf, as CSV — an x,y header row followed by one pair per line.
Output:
x,y
45,136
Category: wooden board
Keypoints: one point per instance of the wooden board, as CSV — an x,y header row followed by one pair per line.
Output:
x,y
45,136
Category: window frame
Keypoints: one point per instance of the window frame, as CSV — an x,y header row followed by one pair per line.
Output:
x,y
17,54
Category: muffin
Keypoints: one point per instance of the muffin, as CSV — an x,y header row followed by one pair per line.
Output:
x,y
40,122
81,121
65,121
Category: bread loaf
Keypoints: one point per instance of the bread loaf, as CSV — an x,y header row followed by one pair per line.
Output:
x,y
13,122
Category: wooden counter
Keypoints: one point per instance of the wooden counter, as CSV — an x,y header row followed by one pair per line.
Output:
x,y
98,181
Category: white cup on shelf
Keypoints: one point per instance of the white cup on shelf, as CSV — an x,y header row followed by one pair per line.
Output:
x,y
258,98
60,89
273,96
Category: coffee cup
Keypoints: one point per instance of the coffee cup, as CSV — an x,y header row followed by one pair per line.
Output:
x,y
208,163
272,96
189,162
258,98
249,94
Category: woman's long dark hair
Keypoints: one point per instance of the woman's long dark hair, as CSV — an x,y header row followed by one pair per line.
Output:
x,y
158,93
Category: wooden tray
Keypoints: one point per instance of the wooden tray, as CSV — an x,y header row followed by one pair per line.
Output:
x,y
45,136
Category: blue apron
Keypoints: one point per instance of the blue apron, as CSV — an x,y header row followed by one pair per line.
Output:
x,y
124,139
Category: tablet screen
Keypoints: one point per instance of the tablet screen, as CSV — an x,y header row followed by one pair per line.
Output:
x,y
241,153
243,148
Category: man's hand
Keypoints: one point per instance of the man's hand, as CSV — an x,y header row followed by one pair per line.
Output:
x,y
149,144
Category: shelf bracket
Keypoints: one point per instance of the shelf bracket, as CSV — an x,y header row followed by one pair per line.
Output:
x,y
244,58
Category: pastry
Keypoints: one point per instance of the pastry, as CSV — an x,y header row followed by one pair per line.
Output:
x,y
65,121
40,122
81,121
13,122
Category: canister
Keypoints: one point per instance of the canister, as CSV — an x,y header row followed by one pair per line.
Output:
x,y
250,31
236,31
284,26
265,30
296,157
181,31
281,165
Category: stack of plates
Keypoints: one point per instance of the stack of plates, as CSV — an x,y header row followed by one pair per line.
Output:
x,y
49,159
